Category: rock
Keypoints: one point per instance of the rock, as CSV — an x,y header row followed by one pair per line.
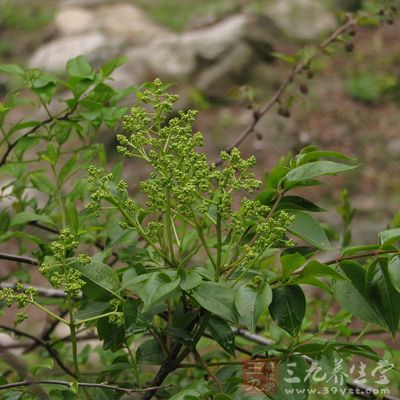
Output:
x,y
217,55
167,58
54,55
74,20
301,19
209,43
128,23
219,79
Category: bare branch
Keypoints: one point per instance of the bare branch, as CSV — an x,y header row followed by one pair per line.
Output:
x,y
53,353
81,384
21,259
361,255
298,68
33,130
42,291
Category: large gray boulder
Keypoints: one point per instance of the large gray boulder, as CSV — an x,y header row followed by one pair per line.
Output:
x,y
213,58
53,56
97,33
301,19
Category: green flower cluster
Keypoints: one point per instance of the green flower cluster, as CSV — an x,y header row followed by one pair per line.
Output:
x,y
117,317
60,273
250,212
183,185
21,297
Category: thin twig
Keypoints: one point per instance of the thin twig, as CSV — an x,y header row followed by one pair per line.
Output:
x,y
297,69
81,384
42,291
21,259
33,130
361,255
42,343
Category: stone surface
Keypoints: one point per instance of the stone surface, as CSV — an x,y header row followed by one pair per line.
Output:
x,y
54,55
74,20
219,79
214,58
301,19
127,22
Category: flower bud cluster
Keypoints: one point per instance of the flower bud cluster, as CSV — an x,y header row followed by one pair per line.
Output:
x,y
21,297
59,273
271,233
250,212
117,317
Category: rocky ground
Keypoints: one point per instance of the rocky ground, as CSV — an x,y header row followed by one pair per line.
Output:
x,y
211,51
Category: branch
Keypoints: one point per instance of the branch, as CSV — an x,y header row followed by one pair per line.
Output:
x,y
361,255
33,130
81,384
42,291
298,68
13,257
40,342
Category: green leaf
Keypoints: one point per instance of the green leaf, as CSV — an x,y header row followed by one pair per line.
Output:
x,y
26,216
51,154
4,221
348,251
216,298
329,361
47,364
352,294
156,289
44,87
287,388
181,335
315,268
394,272
291,262
108,68
42,183
298,203
383,294
24,144
288,308
223,334
80,68
251,302
113,336
307,228
12,69
69,166
189,279
101,280
131,310
317,154
150,352
92,309
389,237
316,169
72,215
